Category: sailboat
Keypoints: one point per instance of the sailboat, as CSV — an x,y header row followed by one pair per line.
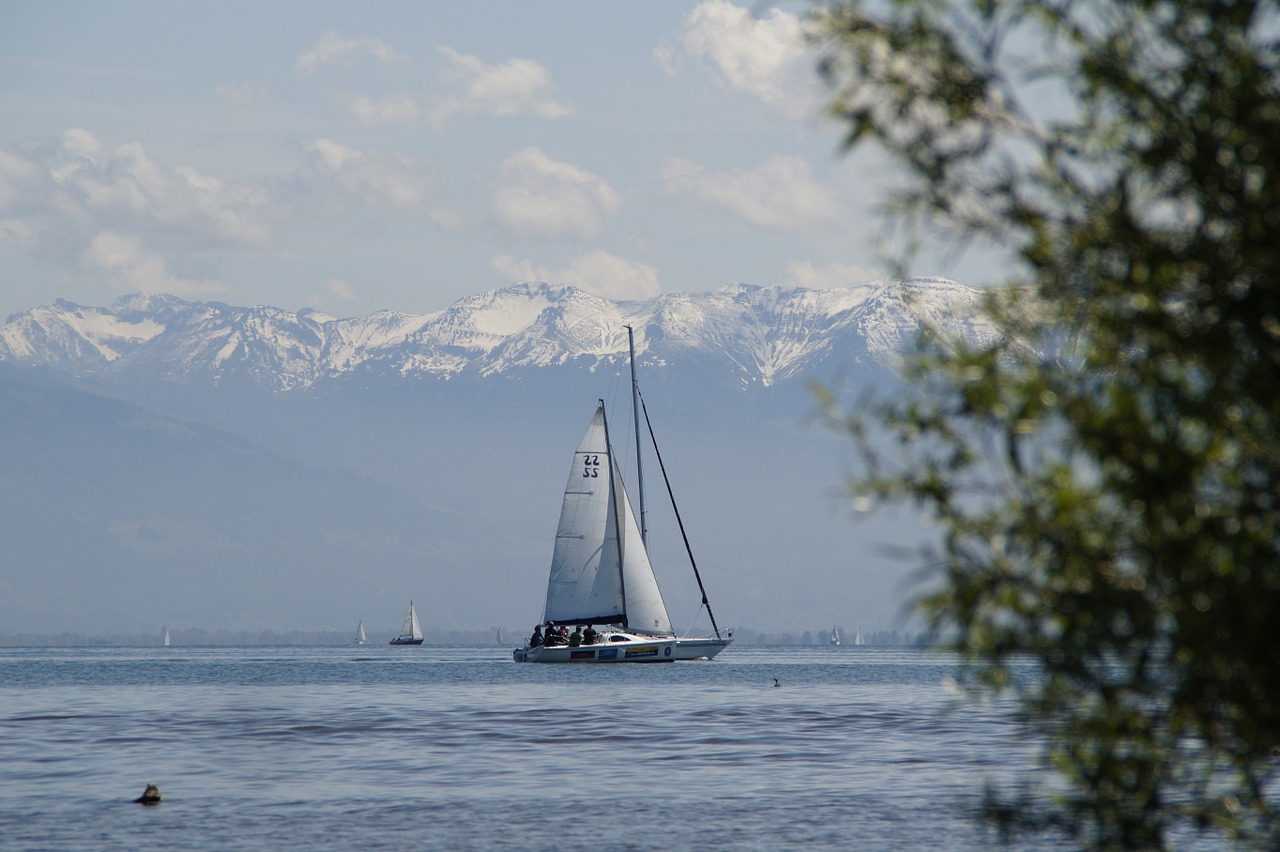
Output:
x,y
600,571
360,637
601,550
411,630
857,637
835,636
166,637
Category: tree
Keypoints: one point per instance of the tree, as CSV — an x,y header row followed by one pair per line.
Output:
x,y
1106,475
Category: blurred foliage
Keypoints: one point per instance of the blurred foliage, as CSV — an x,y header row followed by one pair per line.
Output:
x,y
1105,473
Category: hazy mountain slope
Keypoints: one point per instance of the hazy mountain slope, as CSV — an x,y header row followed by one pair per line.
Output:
x,y
112,517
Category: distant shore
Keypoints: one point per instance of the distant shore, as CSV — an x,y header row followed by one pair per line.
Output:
x,y
200,637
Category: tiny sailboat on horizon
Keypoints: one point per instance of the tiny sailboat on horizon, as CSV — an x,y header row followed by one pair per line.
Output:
x,y
411,630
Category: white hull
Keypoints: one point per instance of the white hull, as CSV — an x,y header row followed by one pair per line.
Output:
x,y
631,649
700,648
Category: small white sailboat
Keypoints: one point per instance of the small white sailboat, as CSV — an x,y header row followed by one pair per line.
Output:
x,y
360,635
166,638
857,637
600,571
835,636
411,630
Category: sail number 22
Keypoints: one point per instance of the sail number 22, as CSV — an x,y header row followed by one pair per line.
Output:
x,y
590,466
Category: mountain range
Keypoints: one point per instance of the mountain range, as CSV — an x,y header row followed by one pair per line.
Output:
x,y
195,463
761,335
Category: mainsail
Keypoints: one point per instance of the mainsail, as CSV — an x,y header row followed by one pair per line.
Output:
x,y
600,571
411,628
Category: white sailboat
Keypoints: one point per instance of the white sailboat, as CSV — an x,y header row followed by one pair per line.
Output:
x,y
360,636
411,630
600,571
857,637
166,637
835,636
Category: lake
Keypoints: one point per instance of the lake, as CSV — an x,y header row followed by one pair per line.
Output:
x,y
375,747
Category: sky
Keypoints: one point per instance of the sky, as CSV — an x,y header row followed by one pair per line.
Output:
x,y
402,155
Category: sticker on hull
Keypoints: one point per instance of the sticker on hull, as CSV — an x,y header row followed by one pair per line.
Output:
x,y
642,651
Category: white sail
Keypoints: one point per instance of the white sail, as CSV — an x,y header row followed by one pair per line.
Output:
x,y
411,629
166,637
646,612
585,583
360,637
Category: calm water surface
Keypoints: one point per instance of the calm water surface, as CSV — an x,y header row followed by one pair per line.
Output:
x,y
459,748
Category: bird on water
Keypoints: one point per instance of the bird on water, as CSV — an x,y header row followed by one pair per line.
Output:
x,y
150,796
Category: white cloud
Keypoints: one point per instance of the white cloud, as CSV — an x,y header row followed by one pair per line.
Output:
x,y
596,272
764,58
541,197
81,143
336,288
380,180
335,48
398,109
802,273
131,191
780,195
137,270
515,87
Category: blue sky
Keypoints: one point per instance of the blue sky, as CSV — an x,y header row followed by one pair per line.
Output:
x,y
404,154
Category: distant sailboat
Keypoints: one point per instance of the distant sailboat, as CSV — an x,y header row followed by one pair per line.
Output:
x,y
501,637
835,636
411,630
167,643
857,639
360,637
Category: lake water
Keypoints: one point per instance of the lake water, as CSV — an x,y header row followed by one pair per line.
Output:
x,y
266,748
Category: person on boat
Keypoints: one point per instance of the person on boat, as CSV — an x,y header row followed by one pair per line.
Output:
x,y
575,638
536,639
589,635
564,634
552,636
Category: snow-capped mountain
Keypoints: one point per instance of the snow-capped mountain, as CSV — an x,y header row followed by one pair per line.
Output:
x,y
763,336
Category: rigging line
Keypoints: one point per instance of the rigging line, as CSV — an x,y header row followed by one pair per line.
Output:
x,y
676,509
614,481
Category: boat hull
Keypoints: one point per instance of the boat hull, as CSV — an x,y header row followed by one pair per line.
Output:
x,y
632,649
398,641
699,648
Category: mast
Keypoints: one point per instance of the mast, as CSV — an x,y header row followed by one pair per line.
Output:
x,y
617,514
635,411
676,509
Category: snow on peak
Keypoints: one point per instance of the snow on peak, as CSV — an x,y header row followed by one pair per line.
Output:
x,y
765,334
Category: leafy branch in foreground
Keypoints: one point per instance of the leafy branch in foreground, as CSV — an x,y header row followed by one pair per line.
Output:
x,y
1106,476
